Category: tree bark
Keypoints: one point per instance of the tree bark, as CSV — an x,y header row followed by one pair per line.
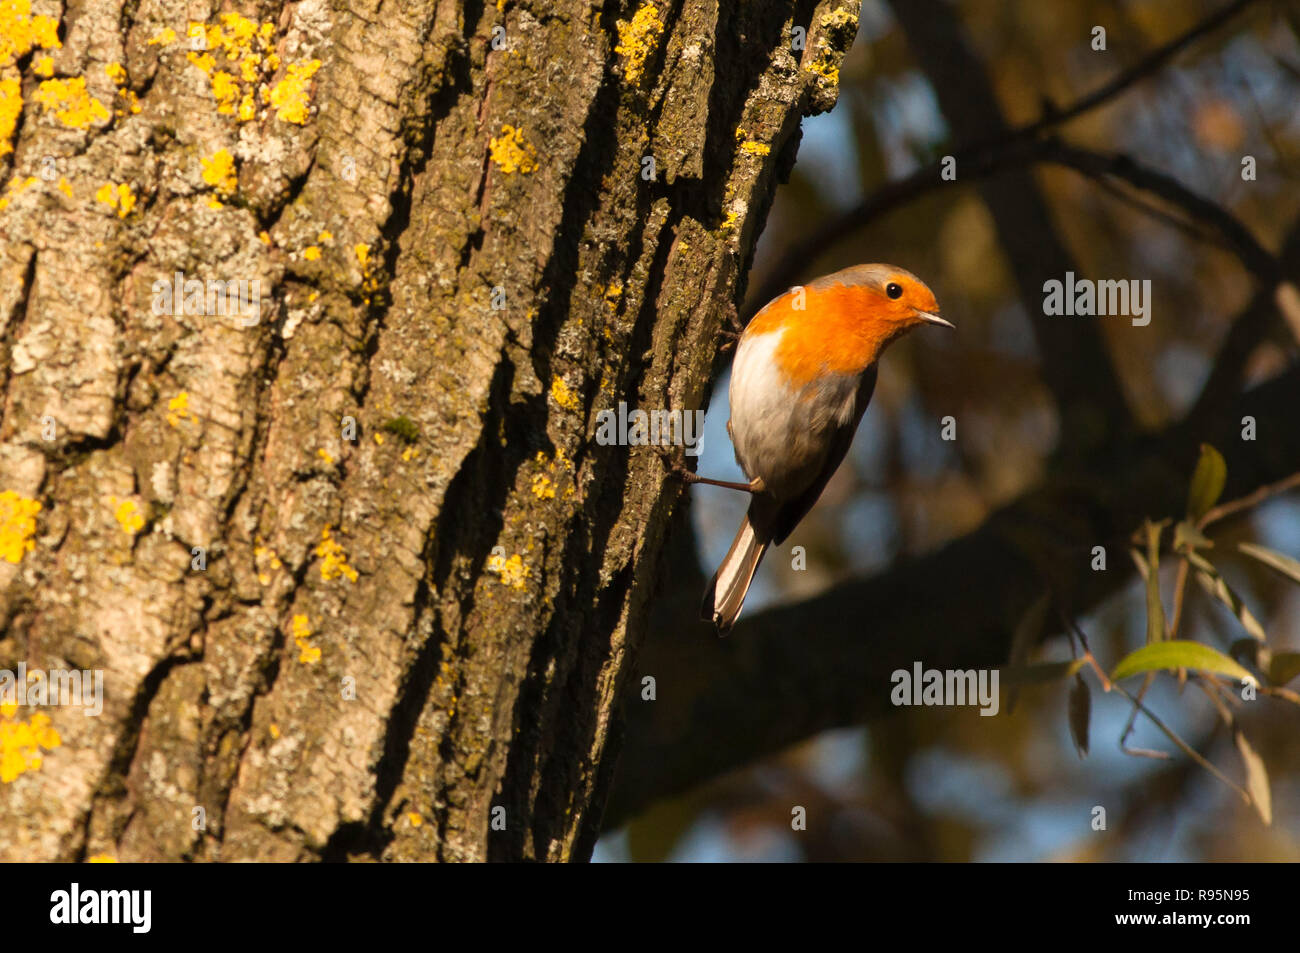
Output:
x,y
422,580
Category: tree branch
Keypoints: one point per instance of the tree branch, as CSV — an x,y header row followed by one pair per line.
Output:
x,y
791,672
1102,167
1077,367
978,159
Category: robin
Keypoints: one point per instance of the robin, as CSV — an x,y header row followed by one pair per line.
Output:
x,y
803,374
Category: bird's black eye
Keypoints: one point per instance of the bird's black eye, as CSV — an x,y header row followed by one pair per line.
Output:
x,y
894,290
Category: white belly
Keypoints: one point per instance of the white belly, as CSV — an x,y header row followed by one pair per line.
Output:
x,y
782,434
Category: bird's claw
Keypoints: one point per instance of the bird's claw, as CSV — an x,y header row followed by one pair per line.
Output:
x,y
735,327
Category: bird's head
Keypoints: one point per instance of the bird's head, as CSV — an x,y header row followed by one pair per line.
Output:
x,y
892,298
843,321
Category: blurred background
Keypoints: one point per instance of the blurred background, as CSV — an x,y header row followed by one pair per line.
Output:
x,y
944,783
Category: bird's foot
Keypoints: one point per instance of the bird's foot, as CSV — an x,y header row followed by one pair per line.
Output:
x,y
734,327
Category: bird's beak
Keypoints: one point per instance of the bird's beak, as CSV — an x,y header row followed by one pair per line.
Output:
x,y
929,318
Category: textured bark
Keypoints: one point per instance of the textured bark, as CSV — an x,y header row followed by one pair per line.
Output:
x,y
503,560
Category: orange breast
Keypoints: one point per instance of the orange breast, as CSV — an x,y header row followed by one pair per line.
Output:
x,y
839,330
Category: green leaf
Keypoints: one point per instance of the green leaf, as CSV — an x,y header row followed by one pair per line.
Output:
x,y
1283,564
1285,666
1207,483
1080,709
1042,672
1178,653
1256,778
1217,587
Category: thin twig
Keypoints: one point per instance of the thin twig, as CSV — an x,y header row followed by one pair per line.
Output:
x,y
1180,589
1258,260
1152,62
1138,706
1007,148
1184,746
1250,499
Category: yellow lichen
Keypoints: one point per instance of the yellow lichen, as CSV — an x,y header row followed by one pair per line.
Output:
x,y
15,188
226,91
21,742
511,153
308,654
116,196
128,516
117,73
219,172
266,562
102,859
840,18
414,818
334,561
543,488
325,455
363,255
823,66
44,66
324,237
637,39
11,107
178,409
563,396
70,103
245,46
291,97
164,37
17,525
20,32
512,571
311,253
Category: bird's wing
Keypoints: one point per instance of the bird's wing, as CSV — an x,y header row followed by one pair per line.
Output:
x,y
781,523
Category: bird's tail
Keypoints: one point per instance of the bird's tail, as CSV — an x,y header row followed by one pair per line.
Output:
x,y
726,591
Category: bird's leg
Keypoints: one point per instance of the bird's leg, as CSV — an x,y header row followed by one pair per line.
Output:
x,y
755,485
678,469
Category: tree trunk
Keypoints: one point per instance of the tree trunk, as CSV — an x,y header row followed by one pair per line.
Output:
x,y
359,579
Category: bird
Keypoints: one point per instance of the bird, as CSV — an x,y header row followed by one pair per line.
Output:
x,y
801,379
